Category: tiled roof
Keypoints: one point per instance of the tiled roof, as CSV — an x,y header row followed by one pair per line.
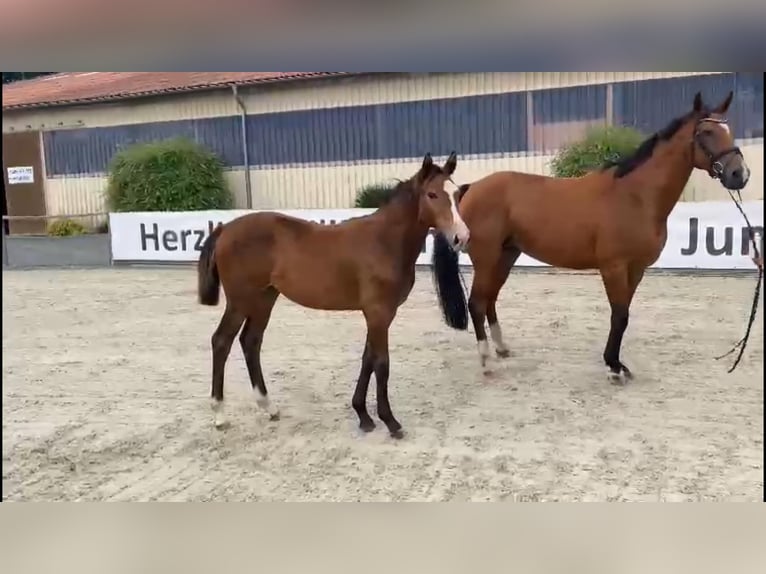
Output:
x,y
69,88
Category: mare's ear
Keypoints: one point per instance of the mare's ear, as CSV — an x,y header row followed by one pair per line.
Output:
x,y
723,106
449,167
698,103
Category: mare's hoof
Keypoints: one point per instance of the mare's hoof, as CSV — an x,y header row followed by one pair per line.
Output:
x,y
367,426
222,425
503,353
397,434
275,416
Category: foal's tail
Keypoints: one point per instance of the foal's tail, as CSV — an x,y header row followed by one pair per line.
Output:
x,y
448,284
208,282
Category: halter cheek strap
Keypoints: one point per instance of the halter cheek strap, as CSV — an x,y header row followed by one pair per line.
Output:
x,y
716,166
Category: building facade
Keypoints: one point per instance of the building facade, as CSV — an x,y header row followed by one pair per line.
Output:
x,y
314,143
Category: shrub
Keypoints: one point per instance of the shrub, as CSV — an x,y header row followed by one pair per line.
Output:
x,y
170,175
600,145
66,228
374,195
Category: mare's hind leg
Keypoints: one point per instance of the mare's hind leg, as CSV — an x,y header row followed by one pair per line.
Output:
x,y
251,340
484,263
503,268
221,342
620,283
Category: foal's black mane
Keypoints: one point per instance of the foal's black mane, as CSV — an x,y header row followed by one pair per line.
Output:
x,y
406,189
627,164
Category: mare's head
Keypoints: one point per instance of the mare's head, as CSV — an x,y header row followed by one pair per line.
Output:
x,y
713,144
437,207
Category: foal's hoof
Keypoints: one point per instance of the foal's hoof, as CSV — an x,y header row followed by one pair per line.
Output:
x,y
221,425
275,416
397,434
503,353
367,426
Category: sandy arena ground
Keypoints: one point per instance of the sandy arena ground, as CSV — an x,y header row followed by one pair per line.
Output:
x,y
106,385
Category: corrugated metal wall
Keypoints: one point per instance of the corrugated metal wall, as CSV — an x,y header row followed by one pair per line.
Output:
x,y
315,143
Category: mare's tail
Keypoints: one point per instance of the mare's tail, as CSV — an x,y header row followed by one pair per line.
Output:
x,y
208,282
461,191
448,285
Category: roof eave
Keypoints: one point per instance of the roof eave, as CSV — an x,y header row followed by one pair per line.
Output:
x,y
168,91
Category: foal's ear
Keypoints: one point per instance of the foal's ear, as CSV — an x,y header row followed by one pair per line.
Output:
x,y
449,167
427,162
723,106
698,104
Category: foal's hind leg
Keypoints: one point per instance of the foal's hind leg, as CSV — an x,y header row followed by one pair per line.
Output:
x,y
359,400
503,268
251,340
221,342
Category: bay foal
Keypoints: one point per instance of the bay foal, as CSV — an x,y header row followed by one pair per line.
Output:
x,y
366,264
613,219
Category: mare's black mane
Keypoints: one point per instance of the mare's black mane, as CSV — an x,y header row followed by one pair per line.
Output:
x,y
627,164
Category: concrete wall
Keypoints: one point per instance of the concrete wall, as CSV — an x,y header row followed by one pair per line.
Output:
x,y
81,251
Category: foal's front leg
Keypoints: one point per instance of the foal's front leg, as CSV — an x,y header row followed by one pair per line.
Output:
x,y
378,321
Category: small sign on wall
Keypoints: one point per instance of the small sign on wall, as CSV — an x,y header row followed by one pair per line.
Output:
x,y
22,174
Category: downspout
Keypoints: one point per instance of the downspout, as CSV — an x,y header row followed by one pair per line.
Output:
x,y
246,156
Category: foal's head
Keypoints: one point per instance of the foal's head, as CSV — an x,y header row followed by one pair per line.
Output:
x,y
436,207
713,145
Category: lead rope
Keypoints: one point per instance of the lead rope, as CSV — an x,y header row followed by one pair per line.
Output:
x,y
754,308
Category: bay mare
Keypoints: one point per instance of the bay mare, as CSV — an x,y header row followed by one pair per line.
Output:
x,y
365,264
613,219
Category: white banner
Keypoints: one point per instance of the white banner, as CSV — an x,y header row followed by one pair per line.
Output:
x,y
702,235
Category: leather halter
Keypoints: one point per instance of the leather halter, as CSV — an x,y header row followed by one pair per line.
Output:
x,y
716,167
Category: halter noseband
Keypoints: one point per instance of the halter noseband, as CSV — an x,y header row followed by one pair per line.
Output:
x,y
716,167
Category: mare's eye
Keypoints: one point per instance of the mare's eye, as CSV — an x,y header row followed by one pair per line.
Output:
x,y
432,195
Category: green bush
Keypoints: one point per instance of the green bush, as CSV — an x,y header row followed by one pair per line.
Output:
x,y
66,228
600,145
171,175
374,195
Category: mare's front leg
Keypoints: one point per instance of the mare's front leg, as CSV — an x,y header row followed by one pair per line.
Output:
x,y
620,283
379,318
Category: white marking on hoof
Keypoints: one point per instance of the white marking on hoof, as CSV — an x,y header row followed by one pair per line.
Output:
x,y
497,338
615,378
265,404
483,347
219,420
